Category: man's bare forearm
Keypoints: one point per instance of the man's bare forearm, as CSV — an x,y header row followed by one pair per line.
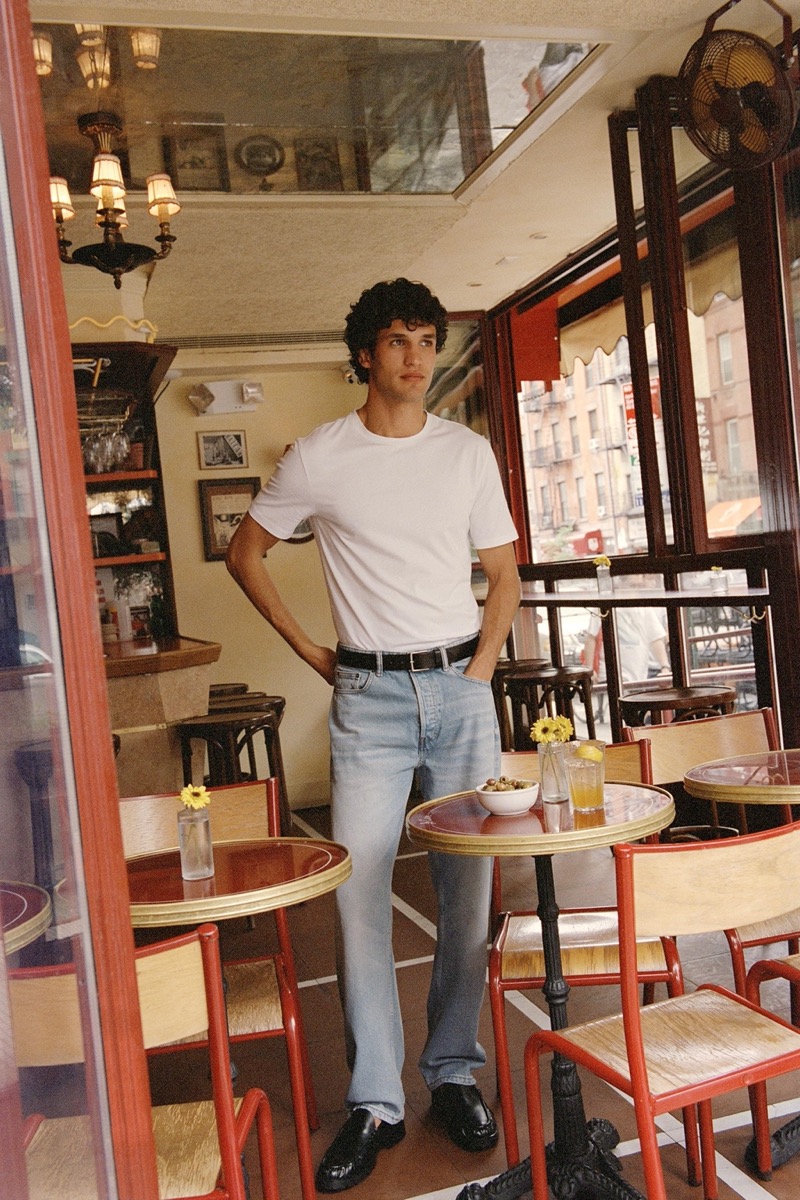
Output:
x,y
499,610
245,562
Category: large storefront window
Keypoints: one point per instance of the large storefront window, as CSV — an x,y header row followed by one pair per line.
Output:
x,y
583,468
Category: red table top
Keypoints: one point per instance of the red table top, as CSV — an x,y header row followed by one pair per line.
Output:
x,y
460,825
249,877
25,912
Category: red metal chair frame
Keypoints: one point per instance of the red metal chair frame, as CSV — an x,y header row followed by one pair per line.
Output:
x,y
499,984
233,1128
304,1103
683,896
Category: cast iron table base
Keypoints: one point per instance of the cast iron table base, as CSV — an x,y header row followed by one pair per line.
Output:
x,y
580,1163
785,1143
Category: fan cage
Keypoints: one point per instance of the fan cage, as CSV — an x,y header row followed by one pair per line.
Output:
x,y
737,102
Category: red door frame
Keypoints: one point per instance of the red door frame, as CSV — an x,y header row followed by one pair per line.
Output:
x,y
50,361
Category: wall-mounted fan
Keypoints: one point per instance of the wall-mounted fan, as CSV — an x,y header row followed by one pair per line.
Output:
x,y
737,95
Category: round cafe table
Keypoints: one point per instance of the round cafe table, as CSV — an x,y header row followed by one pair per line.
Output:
x,y
581,1153
25,913
767,777
249,877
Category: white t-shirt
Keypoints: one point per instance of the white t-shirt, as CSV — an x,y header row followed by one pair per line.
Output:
x,y
637,629
393,519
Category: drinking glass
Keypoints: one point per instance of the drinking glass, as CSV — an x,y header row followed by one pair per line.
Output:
x,y
585,777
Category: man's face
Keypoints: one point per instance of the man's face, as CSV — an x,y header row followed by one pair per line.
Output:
x,y
401,365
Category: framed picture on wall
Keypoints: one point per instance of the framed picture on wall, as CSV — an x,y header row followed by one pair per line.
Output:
x,y
224,449
195,155
223,503
317,165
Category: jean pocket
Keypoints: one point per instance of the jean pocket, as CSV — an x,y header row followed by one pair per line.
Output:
x,y
350,680
460,667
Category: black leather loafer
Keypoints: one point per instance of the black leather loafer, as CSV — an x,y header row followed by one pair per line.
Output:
x,y
352,1154
461,1109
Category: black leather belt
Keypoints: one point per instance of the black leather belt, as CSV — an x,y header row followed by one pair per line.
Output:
x,y
419,660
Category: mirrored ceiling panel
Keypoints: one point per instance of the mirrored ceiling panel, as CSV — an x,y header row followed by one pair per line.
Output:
x,y
250,113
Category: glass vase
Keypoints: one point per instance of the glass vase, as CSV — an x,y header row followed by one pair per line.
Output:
x,y
553,772
604,584
194,843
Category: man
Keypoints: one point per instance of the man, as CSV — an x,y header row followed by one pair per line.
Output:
x,y
395,497
641,638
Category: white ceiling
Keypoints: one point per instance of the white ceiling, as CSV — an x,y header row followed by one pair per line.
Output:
x,y
278,264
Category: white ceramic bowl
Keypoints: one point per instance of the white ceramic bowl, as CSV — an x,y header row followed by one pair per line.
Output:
x,y
508,804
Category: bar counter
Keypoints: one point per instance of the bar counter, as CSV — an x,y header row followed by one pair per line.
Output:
x,y
145,657
151,686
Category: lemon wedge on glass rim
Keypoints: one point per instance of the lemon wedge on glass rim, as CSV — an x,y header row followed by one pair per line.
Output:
x,y
593,753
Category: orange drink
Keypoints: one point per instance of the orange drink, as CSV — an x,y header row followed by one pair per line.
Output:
x,y
585,770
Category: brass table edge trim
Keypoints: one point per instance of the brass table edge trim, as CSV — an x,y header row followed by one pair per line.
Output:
x,y
191,911
744,793
489,845
22,935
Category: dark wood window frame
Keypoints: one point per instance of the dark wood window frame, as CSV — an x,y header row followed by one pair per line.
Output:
x,y
50,361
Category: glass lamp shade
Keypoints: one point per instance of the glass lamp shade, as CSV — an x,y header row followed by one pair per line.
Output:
x,y
43,52
146,44
161,199
116,207
91,35
107,176
95,65
60,199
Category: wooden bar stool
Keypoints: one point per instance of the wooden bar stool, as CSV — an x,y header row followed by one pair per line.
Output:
x,y
227,736
503,669
546,691
687,703
217,690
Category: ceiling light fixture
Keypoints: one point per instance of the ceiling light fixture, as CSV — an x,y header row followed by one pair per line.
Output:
x,y
113,256
42,52
146,45
95,65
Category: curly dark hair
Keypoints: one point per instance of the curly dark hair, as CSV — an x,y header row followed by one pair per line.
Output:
x,y
378,306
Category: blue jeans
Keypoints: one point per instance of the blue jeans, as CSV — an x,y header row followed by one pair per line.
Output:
x,y
384,726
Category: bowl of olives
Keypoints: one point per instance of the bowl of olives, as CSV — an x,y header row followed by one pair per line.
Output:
x,y
506,797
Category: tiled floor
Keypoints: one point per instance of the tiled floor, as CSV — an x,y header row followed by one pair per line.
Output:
x,y
426,1164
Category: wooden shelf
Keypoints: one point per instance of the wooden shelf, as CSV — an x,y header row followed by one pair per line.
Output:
x,y
120,477
125,560
128,384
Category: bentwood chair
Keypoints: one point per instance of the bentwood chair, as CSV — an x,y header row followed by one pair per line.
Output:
x,y
589,945
692,1047
262,994
677,747
198,1145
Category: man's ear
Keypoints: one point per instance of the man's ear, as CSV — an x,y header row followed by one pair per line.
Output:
x,y
365,359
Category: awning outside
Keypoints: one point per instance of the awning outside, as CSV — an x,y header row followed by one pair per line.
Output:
x,y
725,518
715,272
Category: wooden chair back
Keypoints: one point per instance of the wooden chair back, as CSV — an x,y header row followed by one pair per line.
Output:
x,y
46,1010
626,762
677,747
239,811
46,1016
702,887
180,996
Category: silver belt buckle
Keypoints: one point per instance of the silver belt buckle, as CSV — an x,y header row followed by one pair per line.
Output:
x,y
413,655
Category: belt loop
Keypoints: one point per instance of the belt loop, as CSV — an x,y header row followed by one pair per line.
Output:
x,y
378,662
445,658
